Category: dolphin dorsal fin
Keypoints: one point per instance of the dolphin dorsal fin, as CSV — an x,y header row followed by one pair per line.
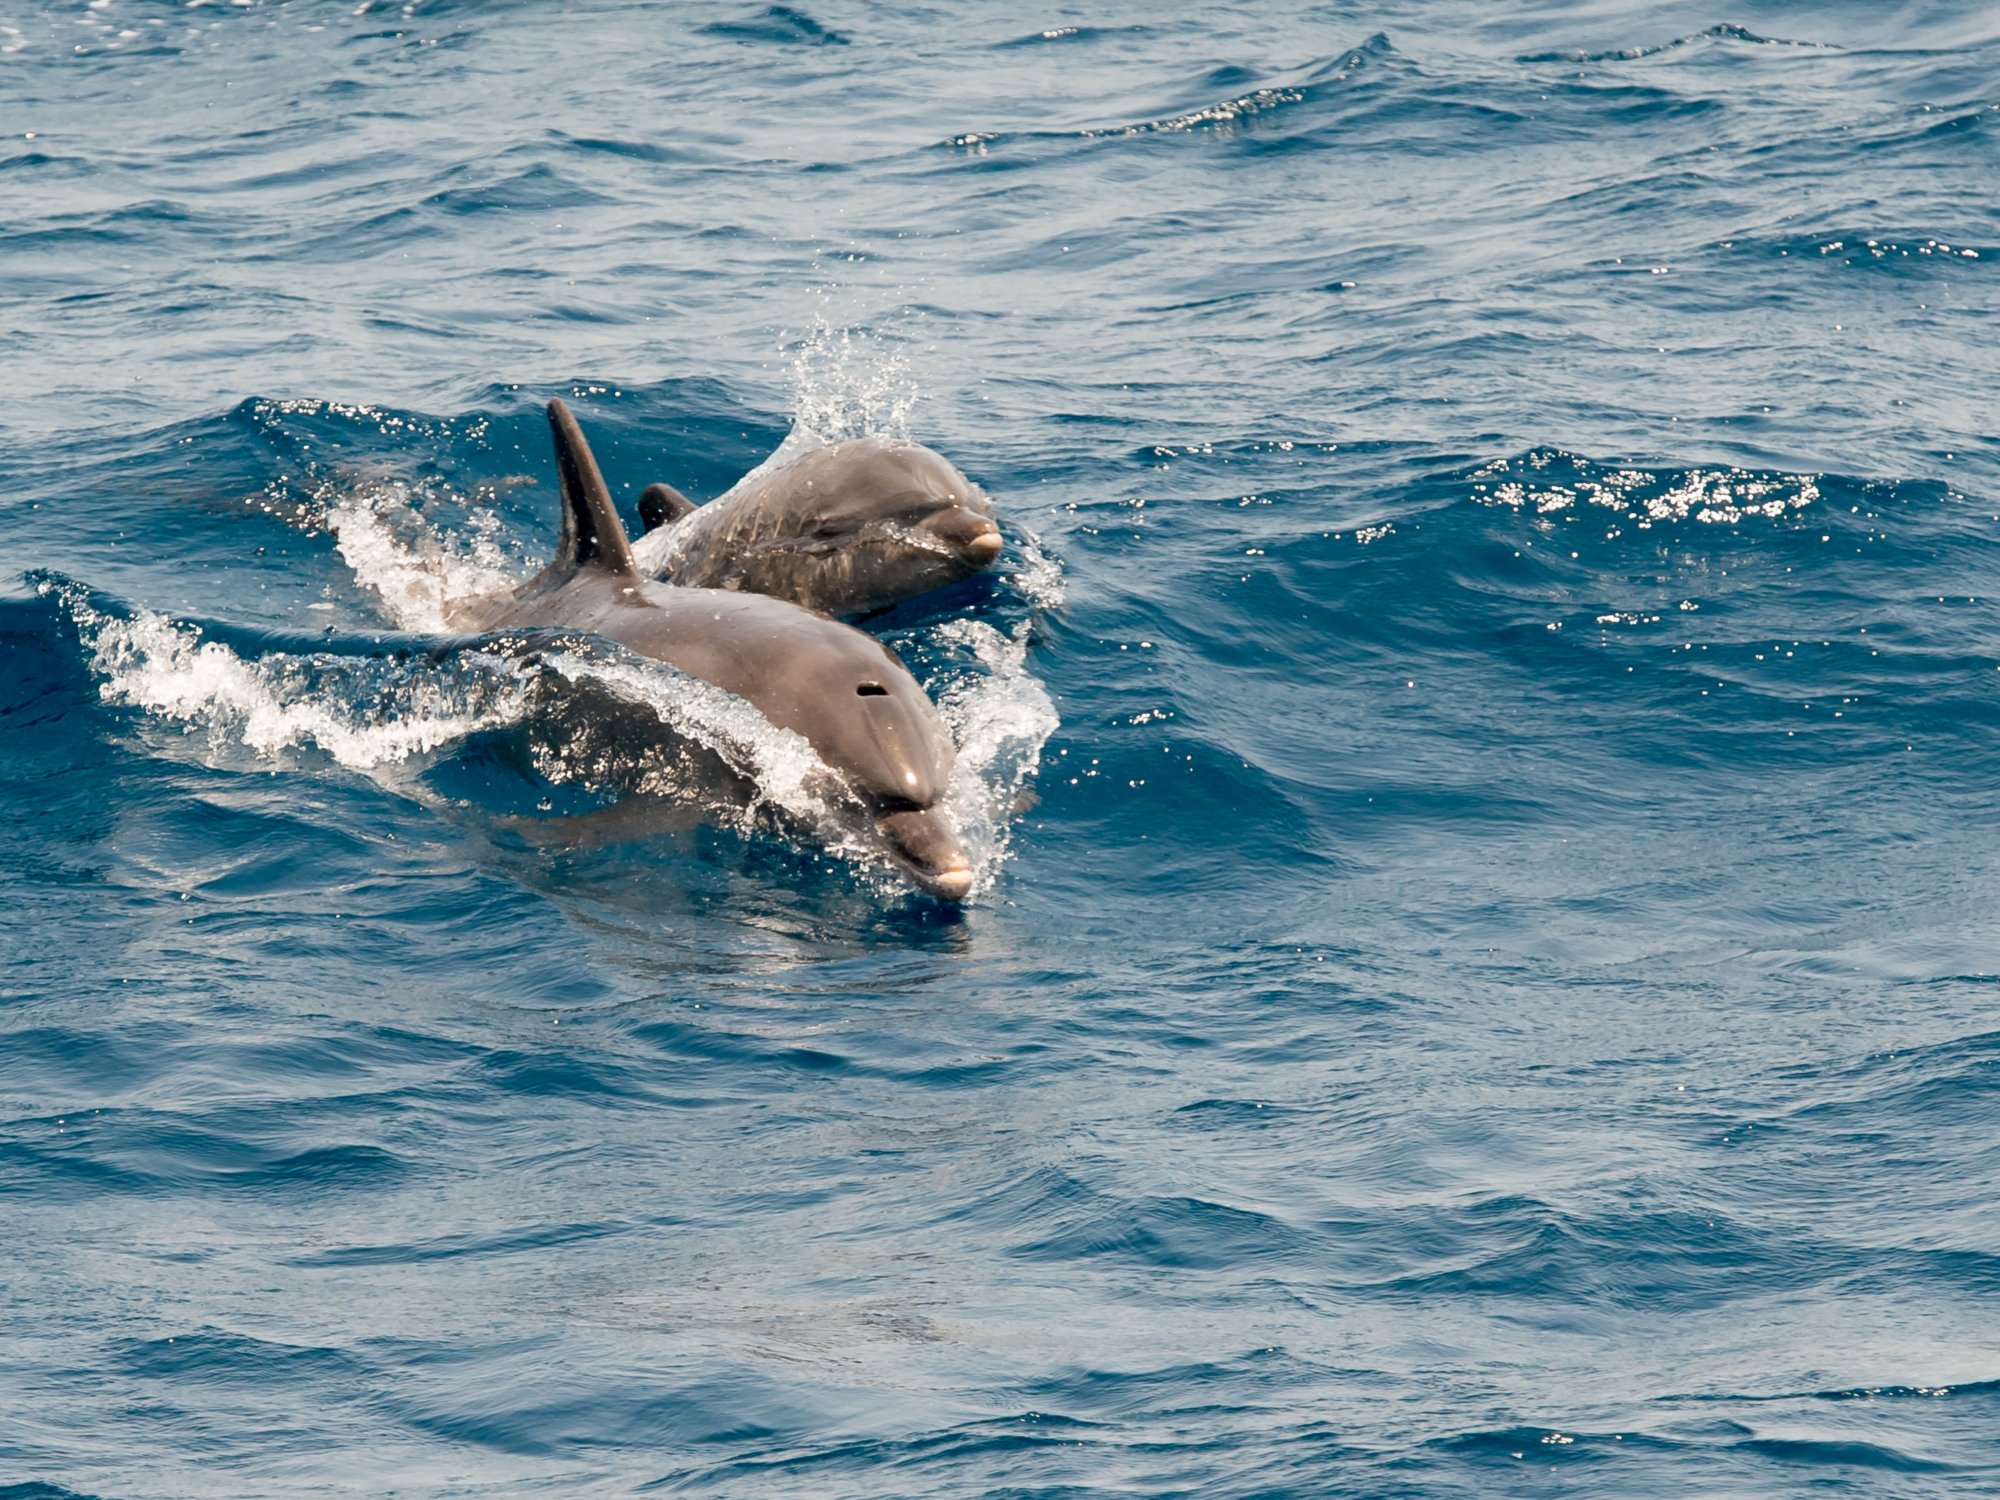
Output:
x,y
592,536
662,505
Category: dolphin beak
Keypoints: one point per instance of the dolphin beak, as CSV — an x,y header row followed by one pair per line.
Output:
x,y
968,534
951,885
929,852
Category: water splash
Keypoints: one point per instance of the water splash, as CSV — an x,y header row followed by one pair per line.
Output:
x,y
773,781
785,773
364,712
999,713
1039,578
415,568
846,383
1000,717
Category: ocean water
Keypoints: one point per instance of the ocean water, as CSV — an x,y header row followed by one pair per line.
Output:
x,y
1483,750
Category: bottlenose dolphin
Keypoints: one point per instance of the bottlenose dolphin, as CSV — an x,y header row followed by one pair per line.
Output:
x,y
850,527
841,690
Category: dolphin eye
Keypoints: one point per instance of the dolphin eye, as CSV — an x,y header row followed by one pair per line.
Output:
x,y
871,690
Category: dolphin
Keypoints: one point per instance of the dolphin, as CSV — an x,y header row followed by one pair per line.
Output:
x,y
844,692
847,528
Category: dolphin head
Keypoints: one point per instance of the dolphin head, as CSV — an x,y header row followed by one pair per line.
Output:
x,y
844,528
897,760
870,722
916,493
877,520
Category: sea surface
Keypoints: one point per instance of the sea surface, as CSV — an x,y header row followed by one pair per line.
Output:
x,y
1482,750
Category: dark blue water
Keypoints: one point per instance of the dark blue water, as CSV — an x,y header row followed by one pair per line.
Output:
x,y
1483,747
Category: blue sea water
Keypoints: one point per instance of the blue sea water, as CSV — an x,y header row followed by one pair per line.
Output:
x,y
1483,747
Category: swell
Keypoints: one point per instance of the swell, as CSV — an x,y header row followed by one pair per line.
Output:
x,y
1458,1021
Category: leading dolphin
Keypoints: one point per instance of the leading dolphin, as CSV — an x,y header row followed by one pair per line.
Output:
x,y
841,690
846,528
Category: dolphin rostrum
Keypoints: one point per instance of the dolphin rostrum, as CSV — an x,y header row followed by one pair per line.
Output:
x,y
850,527
842,691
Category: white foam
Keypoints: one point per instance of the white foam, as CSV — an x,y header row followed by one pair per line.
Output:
x,y
1000,716
364,712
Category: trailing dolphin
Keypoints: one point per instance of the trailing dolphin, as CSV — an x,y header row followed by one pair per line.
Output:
x,y
842,691
850,527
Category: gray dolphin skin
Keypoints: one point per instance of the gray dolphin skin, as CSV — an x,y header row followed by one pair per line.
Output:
x,y
841,690
850,527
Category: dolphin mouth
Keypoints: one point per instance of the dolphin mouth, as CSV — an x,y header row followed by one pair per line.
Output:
x,y
928,852
966,534
952,885
983,548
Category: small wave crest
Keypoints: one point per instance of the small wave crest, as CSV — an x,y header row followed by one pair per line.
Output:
x,y
777,23
1548,481
1723,34
1220,115
1223,112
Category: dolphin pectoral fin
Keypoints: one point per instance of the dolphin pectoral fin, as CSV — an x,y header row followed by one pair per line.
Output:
x,y
592,536
662,505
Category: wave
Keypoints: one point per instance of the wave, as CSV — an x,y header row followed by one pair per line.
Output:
x,y
1222,114
1723,35
586,716
1076,33
362,712
1856,247
777,23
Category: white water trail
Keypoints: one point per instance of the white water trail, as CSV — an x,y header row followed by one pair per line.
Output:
x,y
1001,717
366,713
